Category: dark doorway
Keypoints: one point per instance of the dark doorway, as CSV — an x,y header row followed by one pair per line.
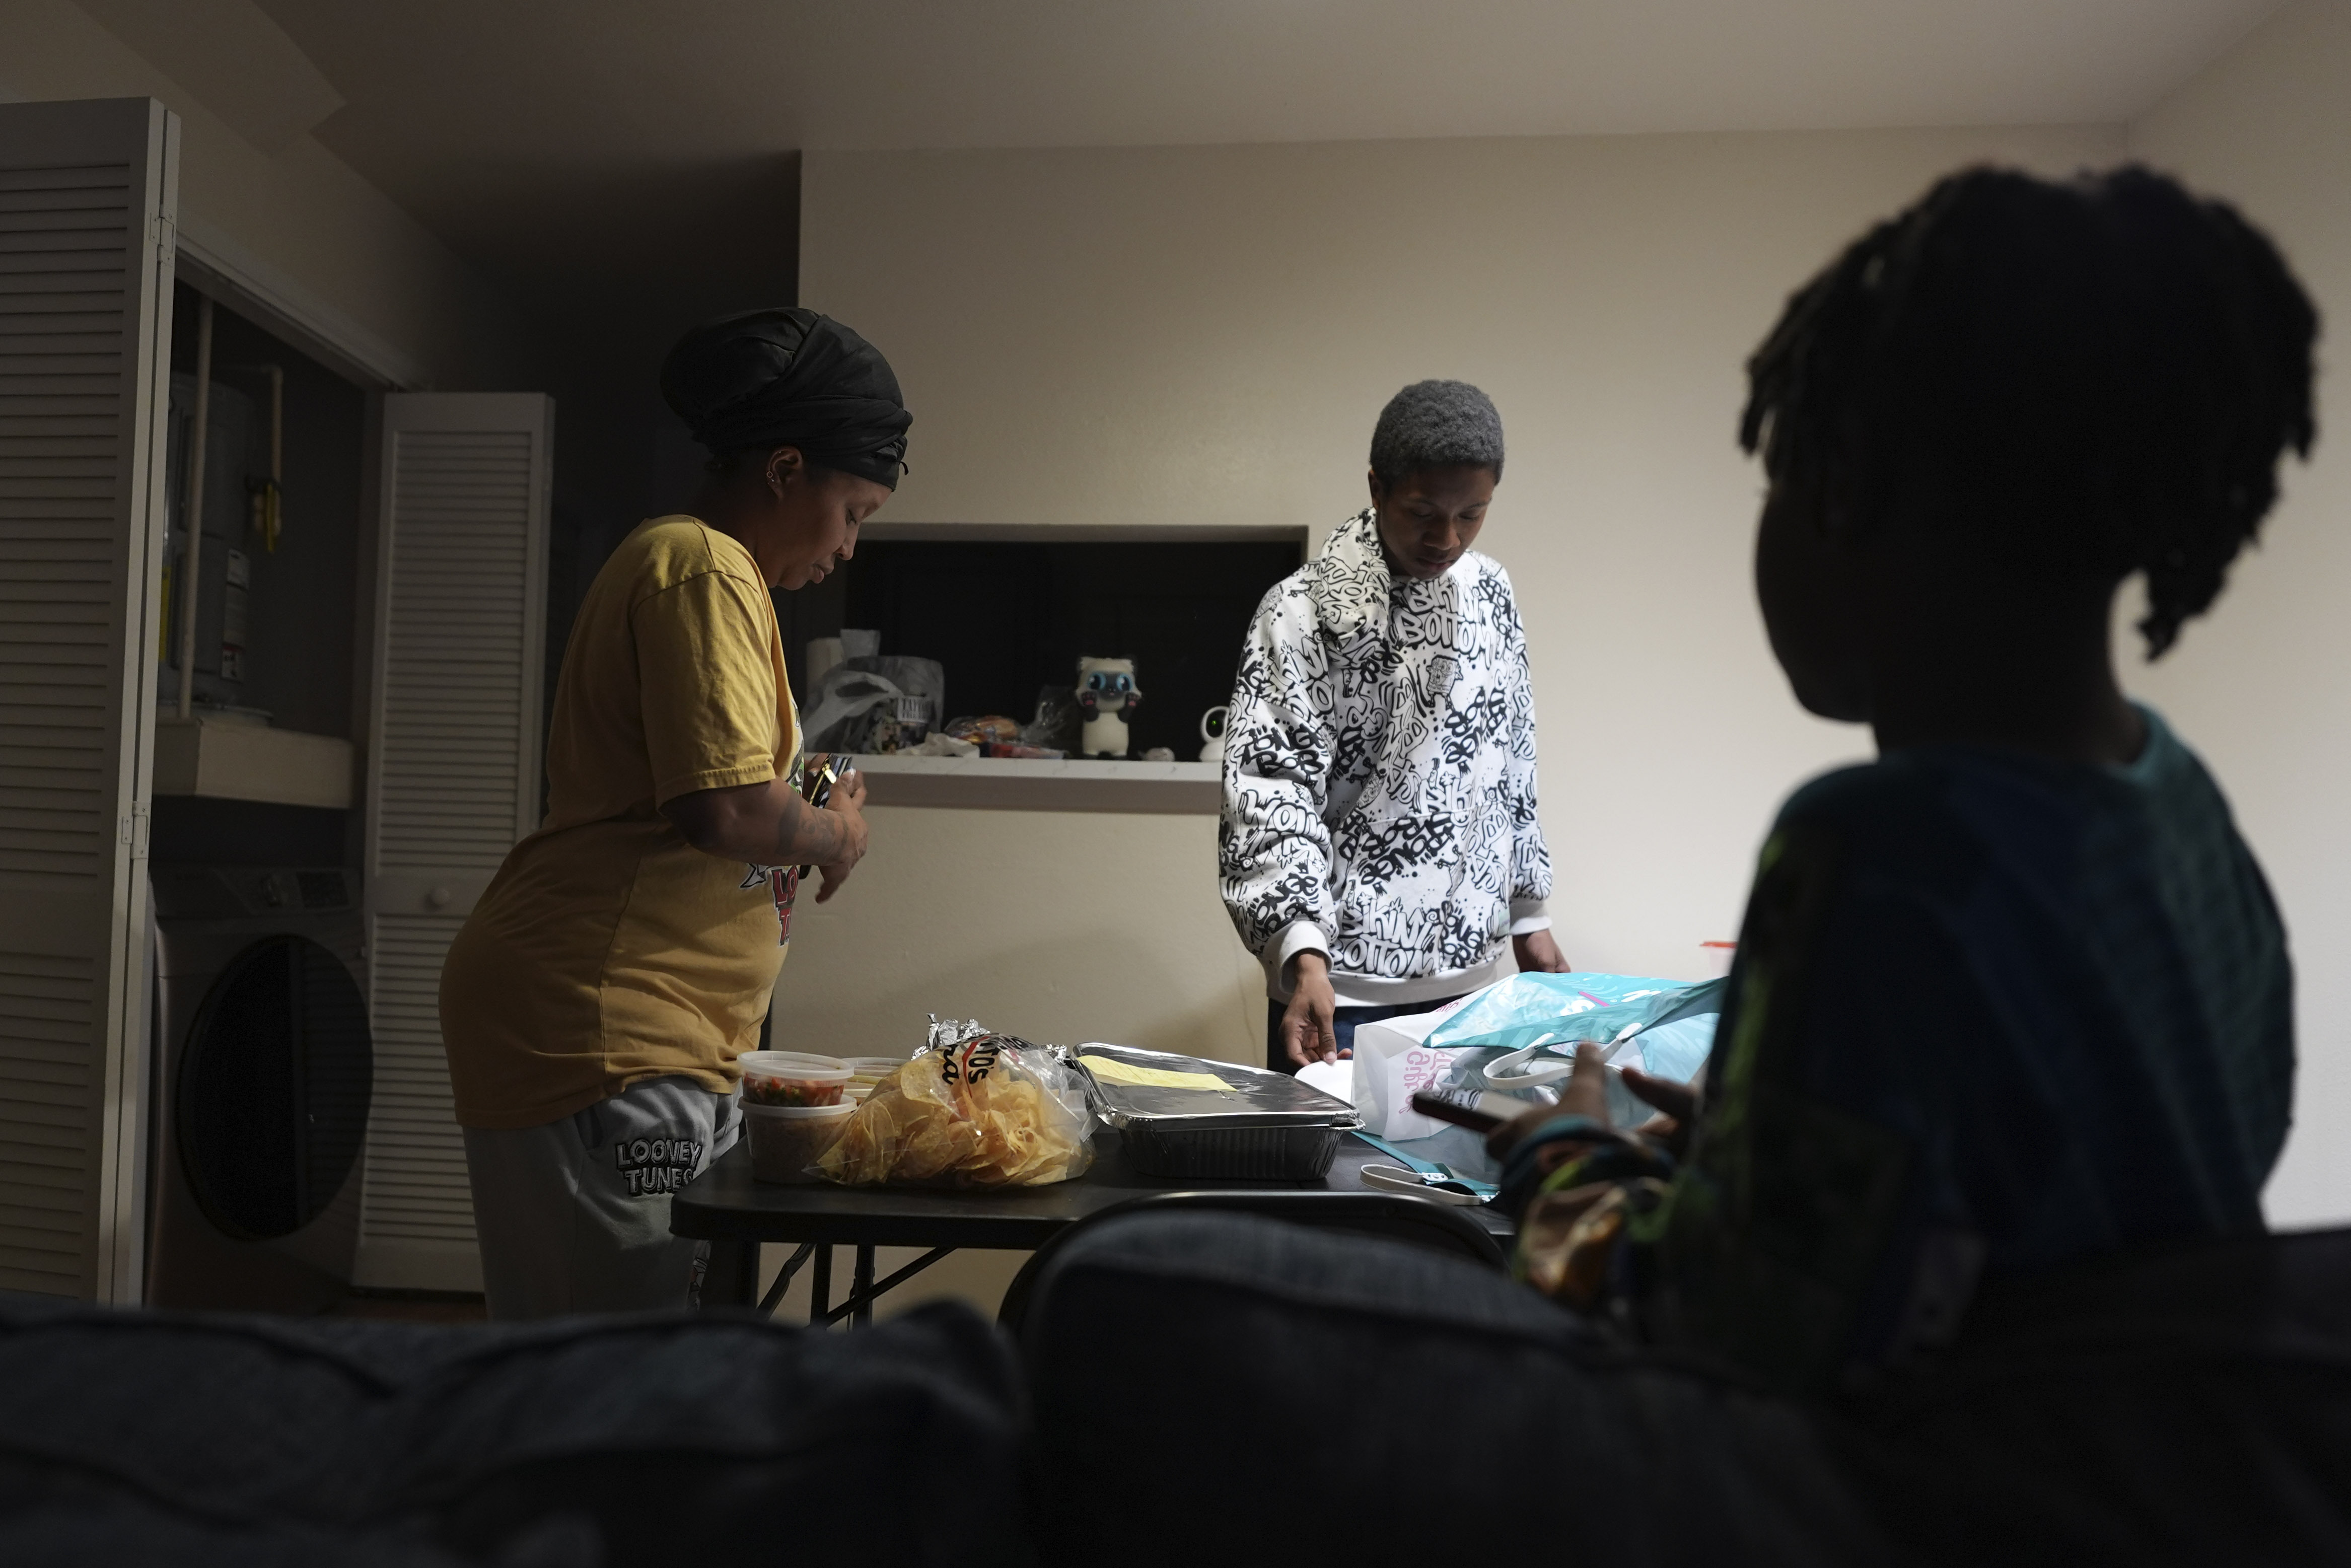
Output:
x,y
1007,618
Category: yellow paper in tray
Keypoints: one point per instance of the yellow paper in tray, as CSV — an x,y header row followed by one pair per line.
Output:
x,y
1110,1069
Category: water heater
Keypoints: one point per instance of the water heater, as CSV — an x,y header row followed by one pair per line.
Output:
x,y
223,565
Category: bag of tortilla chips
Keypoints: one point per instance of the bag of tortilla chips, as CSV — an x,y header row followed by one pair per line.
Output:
x,y
975,1109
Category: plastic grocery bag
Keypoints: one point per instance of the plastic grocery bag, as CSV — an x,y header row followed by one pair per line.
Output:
x,y
1665,1027
1393,1061
1519,1037
1568,1009
975,1109
841,705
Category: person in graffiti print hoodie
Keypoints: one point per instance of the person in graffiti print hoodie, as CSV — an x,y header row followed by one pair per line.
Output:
x,y
1379,846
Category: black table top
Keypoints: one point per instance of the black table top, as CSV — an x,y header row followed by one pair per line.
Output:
x,y
725,1203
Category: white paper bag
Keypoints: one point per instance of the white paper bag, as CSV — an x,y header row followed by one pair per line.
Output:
x,y
1336,1078
1392,1065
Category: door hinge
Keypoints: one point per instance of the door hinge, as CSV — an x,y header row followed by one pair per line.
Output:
x,y
134,829
167,237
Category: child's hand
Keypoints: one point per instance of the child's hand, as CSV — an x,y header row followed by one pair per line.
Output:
x,y
1586,1095
1676,1104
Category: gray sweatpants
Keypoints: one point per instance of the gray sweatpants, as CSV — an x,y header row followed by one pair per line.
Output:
x,y
574,1216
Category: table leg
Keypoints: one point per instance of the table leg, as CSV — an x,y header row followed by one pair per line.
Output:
x,y
821,1287
731,1277
863,1289
783,1280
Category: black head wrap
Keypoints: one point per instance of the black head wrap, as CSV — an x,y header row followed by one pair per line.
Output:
x,y
790,378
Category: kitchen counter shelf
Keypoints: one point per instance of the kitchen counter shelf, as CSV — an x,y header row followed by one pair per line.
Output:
x,y
1044,784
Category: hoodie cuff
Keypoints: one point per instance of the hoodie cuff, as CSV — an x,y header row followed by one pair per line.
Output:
x,y
1297,937
1529,915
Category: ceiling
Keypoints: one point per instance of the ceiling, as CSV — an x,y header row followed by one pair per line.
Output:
x,y
633,141
557,80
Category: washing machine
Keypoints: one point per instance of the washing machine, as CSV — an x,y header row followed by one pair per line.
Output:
x,y
261,1075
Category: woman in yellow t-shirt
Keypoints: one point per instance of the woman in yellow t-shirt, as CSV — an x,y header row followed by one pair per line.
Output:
x,y
595,1002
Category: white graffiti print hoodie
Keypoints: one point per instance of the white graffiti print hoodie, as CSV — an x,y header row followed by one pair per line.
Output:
x,y
1380,777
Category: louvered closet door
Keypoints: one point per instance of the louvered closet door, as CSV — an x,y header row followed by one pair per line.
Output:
x,y
87,194
452,780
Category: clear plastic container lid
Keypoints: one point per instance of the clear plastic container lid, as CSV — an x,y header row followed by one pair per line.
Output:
x,y
795,1065
790,1078
797,1113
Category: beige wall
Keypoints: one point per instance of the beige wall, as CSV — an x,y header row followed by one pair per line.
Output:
x,y
1068,927
1206,335
2264,689
1189,335
297,220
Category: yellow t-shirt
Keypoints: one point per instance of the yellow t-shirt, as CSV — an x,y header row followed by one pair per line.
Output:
x,y
608,949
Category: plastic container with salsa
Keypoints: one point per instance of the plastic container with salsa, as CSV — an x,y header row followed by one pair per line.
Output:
x,y
785,1140
866,1072
792,1078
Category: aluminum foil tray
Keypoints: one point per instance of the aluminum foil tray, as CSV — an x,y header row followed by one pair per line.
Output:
x,y
1267,1127
1232,1154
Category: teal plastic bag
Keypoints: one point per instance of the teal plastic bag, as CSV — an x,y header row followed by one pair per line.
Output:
x,y
1677,1050
1564,1011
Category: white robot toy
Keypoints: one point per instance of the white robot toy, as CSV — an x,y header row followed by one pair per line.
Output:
x,y
1106,691
1212,730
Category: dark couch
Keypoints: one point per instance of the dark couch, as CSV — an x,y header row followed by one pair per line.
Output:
x,y
1203,1381
1207,1389
137,1438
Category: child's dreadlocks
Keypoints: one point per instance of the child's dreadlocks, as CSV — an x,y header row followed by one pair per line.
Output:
x,y
2096,376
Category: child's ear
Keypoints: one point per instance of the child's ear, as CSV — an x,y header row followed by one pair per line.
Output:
x,y
1814,591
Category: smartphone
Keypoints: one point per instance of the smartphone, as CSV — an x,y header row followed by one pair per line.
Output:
x,y
1479,1109
817,782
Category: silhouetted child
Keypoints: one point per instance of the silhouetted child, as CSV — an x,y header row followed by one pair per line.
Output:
x,y
2012,997
2016,994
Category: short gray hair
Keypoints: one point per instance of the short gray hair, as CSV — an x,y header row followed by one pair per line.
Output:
x,y
1435,424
